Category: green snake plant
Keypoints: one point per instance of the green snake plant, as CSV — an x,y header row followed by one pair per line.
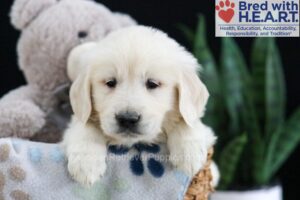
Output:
x,y
246,109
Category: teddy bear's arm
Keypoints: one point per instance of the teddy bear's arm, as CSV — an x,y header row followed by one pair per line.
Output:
x,y
20,116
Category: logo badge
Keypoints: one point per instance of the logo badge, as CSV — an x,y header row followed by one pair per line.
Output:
x,y
257,18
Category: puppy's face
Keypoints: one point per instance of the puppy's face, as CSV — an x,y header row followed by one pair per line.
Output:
x,y
134,81
132,98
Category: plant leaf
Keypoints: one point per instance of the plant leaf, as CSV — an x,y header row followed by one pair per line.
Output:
x,y
269,87
276,94
229,160
256,145
270,150
187,33
238,95
284,142
235,81
210,76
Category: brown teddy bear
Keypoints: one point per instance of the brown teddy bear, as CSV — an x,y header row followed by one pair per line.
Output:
x,y
49,30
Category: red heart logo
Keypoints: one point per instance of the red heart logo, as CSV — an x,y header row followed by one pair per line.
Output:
x,y
226,15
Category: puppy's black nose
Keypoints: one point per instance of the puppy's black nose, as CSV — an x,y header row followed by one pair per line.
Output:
x,y
128,119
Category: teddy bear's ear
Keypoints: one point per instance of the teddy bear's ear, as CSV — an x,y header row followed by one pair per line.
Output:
x,y
124,20
24,11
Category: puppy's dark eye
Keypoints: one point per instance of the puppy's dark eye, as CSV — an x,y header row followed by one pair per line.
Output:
x,y
82,34
111,83
152,84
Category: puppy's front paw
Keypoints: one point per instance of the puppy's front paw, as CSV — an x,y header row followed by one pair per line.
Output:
x,y
86,168
188,156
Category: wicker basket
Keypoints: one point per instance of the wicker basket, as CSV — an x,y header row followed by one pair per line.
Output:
x,y
201,187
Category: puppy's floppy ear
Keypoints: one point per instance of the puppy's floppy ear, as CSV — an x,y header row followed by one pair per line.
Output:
x,y
78,71
77,60
80,96
193,96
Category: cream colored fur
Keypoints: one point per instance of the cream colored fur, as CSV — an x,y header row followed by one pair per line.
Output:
x,y
169,113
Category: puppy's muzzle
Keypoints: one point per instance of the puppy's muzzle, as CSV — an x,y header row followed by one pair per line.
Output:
x,y
128,121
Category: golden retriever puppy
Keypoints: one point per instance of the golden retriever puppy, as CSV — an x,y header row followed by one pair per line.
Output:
x,y
136,85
